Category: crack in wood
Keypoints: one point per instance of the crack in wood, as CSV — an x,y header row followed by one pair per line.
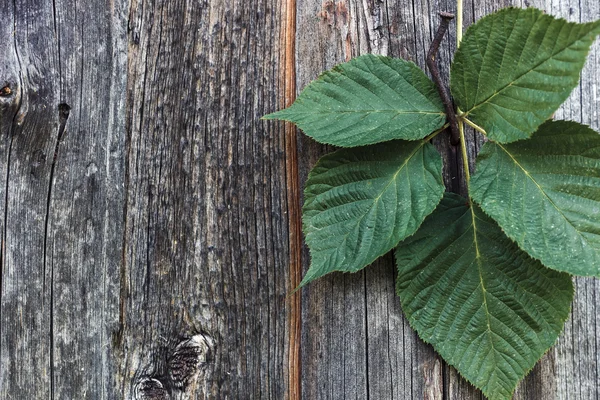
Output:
x,y
63,116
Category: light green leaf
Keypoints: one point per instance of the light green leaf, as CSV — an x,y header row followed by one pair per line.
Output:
x,y
487,308
359,203
514,68
545,194
367,100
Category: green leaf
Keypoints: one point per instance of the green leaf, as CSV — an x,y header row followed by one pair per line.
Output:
x,y
487,308
545,194
359,203
367,100
514,68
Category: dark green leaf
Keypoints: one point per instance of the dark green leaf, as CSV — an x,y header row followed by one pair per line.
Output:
x,y
367,100
487,308
514,68
359,203
545,194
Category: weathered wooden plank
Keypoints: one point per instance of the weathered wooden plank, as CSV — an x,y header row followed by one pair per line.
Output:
x,y
64,199
28,144
206,232
334,361
84,236
356,343
391,363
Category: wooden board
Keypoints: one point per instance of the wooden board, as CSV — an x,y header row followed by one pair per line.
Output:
x,y
150,220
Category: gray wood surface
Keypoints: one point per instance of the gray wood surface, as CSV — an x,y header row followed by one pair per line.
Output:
x,y
150,220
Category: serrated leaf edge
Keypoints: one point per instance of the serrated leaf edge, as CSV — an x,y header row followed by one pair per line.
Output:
x,y
542,15
512,237
521,377
304,281
336,69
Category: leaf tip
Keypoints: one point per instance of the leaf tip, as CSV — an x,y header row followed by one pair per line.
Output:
x,y
271,116
309,277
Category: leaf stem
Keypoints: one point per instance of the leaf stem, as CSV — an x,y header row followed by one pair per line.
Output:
x,y
461,127
474,126
465,157
435,74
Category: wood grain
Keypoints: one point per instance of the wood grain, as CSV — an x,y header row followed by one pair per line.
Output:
x,y
32,124
206,229
150,224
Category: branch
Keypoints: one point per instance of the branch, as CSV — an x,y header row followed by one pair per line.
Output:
x,y
435,73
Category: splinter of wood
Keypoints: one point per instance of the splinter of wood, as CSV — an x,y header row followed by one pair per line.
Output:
x,y
435,74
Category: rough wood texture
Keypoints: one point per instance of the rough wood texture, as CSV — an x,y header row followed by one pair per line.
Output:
x,y
206,231
150,220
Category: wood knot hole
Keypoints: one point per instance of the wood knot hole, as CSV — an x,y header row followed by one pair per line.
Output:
x,y
63,111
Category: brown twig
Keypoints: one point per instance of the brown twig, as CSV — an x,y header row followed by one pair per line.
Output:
x,y
435,73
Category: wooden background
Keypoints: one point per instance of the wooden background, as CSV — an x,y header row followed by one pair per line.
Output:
x,y
149,221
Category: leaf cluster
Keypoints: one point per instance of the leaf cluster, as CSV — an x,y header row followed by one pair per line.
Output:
x,y
486,280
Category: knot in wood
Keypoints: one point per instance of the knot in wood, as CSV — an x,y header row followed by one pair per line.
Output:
x,y
188,359
150,389
5,91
